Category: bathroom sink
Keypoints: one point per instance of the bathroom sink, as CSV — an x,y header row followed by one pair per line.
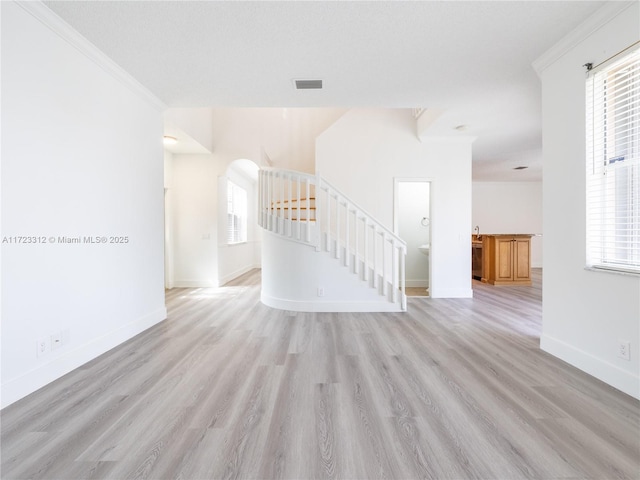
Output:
x,y
424,249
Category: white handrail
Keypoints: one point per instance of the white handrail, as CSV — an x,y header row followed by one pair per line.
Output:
x,y
332,219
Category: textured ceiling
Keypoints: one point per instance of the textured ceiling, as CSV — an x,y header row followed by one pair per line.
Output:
x,y
470,59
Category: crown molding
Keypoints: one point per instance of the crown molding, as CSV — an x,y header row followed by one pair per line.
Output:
x,y
65,31
603,15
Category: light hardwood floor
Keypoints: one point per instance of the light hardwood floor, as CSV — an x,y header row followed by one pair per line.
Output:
x,y
229,388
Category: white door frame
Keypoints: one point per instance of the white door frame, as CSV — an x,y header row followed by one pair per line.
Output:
x,y
396,206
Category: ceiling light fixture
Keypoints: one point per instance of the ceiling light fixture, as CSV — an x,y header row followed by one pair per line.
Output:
x,y
167,140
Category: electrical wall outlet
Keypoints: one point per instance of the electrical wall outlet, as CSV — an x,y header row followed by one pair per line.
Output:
x,y
53,341
43,346
56,340
623,349
320,291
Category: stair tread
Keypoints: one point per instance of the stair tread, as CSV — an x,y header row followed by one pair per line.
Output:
x,y
296,200
287,208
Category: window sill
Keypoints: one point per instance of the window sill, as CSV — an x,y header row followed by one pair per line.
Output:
x,y
235,244
625,273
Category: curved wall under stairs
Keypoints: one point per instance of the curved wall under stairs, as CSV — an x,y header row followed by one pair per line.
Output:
x,y
293,273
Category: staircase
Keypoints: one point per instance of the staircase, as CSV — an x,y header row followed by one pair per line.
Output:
x,y
322,229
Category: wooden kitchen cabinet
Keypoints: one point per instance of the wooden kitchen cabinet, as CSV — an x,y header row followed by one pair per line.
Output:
x,y
507,259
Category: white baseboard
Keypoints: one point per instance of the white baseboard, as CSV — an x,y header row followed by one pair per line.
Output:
x,y
193,284
19,387
610,374
329,306
237,273
416,283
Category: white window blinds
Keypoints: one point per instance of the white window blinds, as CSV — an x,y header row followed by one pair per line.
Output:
x,y
236,213
613,164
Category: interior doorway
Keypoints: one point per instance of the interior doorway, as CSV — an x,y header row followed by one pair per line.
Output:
x,y
412,222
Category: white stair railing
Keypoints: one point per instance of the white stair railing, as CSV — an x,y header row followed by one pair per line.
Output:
x,y
307,209
287,203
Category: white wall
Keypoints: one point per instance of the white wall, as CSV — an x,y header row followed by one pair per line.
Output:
x,y
199,251
585,313
195,122
366,148
194,197
286,135
510,207
81,156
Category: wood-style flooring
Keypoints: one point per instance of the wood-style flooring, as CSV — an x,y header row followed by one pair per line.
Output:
x,y
229,388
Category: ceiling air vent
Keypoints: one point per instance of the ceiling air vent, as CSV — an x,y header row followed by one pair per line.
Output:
x,y
520,168
308,84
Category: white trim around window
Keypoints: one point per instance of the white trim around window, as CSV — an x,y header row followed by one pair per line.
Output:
x,y
613,164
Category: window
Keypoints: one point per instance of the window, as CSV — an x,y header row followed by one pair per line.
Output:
x,y
236,213
613,164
